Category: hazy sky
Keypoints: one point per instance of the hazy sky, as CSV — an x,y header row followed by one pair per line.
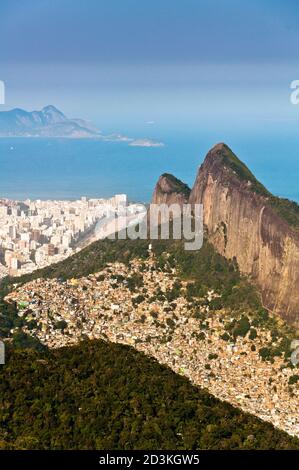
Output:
x,y
140,31
181,63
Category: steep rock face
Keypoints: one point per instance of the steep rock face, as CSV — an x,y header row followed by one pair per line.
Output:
x,y
170,190
243,222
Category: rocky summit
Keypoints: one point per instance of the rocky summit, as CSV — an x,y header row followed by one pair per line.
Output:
x,y
170,190
246,222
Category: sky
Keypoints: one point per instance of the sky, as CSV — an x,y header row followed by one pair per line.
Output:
x,y
177,64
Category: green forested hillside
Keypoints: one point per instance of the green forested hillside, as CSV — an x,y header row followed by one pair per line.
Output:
x,y
106,396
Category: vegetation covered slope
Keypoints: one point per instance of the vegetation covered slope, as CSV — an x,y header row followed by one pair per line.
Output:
x,y
205,269
106,396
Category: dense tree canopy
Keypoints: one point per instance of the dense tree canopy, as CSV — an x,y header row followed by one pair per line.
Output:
x,y
99,395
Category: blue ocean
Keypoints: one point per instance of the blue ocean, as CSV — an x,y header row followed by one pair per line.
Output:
x,y
67,169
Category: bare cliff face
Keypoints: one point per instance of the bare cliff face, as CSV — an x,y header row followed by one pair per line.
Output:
x,y
246,222
170,190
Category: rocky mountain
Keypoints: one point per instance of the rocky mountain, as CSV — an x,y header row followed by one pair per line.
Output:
x,y
245,222
49,122
170,190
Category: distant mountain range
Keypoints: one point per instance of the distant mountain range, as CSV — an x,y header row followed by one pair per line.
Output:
x,y
49,122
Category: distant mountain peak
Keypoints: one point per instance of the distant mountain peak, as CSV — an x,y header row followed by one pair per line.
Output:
x,y
50,107
51,110
52,115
